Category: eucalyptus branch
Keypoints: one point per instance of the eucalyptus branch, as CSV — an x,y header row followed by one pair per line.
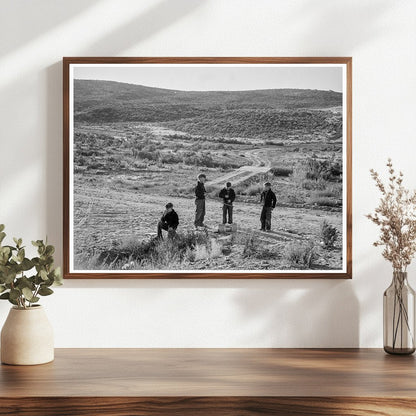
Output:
x,y
16,284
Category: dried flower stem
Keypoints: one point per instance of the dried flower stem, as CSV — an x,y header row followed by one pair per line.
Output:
x,y
396,217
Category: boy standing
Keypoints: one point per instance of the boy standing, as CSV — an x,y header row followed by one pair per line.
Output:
x,y
228,196
200,201
268,199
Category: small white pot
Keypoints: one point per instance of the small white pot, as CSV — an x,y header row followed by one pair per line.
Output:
x,y
27,337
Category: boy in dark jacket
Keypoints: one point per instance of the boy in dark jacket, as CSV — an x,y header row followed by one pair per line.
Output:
x,y
268,199
200,201
227,194
169,222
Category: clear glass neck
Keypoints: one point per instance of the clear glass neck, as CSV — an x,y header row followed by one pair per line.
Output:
x,y
400,276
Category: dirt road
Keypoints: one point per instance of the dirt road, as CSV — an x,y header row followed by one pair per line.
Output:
x,y
103,216
244,172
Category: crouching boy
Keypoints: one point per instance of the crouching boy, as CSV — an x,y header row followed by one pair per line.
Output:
x,y
169,222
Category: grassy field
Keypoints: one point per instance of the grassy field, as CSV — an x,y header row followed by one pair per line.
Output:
x,y
125,171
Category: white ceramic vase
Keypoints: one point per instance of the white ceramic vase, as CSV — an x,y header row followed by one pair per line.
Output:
x,y
27,337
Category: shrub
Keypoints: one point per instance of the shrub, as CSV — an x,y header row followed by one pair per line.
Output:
x,y
329,234
158,254
273,143
325,201
149,155
328,193
254,249
281,171
254,189
323,169
312,184
170,158
301,254
250,246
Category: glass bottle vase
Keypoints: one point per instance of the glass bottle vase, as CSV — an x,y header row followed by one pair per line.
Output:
x,y
399,316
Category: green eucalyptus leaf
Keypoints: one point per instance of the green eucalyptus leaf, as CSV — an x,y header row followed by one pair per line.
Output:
x,y
58,280
43,274
27,293
48,260
24,282
9,277
45,291
21,255
4,254
26,264
37,280
2,227
2,236
48,282
49,250
15,293
2,288
5,295
13,302
55,273
14,267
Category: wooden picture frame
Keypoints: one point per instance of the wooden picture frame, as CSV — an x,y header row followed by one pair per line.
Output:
x,y
97,96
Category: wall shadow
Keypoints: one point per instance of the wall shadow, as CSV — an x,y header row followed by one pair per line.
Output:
x,y
337,18
40,15
301,313
161,15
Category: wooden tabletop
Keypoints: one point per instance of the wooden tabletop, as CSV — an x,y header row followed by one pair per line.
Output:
x,y
216,374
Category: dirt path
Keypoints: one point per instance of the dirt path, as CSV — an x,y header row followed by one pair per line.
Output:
x,y
103,215
259,165
244,172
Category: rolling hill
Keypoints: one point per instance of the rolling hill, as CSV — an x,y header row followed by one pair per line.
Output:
x,y
253,113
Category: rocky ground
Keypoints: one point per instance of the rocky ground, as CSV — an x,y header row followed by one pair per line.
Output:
x,y
106,217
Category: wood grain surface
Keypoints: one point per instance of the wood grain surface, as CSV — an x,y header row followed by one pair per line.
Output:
x,y
212,381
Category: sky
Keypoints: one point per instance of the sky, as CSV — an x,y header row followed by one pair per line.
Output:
x,y
217,77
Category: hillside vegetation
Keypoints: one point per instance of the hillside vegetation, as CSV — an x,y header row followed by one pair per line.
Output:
x,y
254,113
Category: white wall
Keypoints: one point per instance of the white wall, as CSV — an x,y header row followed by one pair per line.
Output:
x,y
380,35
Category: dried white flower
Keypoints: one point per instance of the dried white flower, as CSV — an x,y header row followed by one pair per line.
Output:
x,y
396,217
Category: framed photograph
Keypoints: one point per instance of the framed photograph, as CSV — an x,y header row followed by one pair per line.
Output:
x,y
207,168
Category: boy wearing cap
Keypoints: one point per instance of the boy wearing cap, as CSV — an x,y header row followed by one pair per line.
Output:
x,y
268,199
169,221
200,201
227,194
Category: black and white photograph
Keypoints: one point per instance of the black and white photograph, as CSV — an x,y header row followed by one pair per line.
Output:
x,y
212,168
